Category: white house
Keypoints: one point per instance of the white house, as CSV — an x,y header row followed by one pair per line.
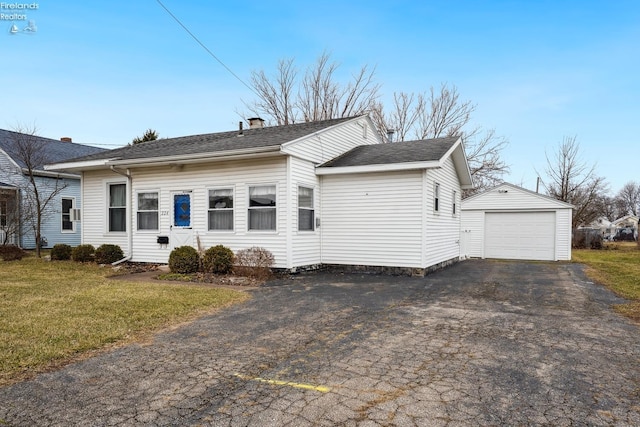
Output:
x,y
510,222
328,192
16,225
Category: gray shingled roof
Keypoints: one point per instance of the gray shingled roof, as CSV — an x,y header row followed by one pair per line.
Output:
x,y
2,184
216,142
396,152
56,151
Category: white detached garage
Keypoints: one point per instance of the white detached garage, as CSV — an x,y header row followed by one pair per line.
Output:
x,y
510,222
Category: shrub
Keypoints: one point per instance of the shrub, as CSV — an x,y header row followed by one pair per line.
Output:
x,y
83,253
218,259
107,254
184,260
61,252
254,262
11,253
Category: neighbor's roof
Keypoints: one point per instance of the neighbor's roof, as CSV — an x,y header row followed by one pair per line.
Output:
x,y
56,151
396,152
216,142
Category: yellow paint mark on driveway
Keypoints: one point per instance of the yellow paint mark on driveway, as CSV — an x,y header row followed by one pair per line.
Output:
x,y
320,388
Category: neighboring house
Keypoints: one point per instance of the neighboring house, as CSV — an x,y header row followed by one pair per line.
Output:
x,y
57,226
314,193
510,222
626,228
604,226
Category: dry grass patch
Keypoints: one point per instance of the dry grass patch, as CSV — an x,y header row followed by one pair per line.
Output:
x,y
618,268
51,312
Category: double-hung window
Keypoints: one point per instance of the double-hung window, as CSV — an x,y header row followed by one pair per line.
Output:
x,y
306,212
436,197
221,209
3,213
67,224
117,207
262,207
147,214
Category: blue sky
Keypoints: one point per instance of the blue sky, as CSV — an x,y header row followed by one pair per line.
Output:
x,y
103,72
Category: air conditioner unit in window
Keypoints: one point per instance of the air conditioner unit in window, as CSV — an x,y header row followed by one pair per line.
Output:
x,y
75,214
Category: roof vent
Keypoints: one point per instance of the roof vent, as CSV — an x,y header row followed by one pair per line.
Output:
x,y
66,139
390,133
256,123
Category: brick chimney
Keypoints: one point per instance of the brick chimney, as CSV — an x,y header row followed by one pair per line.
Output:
x,y
256,123
66,139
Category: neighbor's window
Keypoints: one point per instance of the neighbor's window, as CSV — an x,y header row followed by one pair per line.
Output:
x,y
67,205
221,209
117,207
436,197
306,213
3,213
262,207
148,211
453,205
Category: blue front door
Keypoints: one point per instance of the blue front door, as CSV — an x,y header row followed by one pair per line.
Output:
x,y
182,210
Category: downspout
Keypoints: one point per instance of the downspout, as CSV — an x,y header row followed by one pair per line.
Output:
x,y
127,175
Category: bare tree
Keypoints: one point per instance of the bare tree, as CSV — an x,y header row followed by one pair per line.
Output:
x,y
607,207
38,194
440,113
285,99
628,199
571,180
9,216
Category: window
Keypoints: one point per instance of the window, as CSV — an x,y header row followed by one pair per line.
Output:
x,y
67,205
3,213
453,206
306,213
117,207
436,197
262,207
148,211
221,209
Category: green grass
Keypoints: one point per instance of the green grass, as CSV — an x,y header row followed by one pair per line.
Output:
x,y
618,268
53,312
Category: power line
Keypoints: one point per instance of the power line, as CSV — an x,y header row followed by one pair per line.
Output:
x,y
205,47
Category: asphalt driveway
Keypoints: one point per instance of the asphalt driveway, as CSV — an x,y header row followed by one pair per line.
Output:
x,y
479,343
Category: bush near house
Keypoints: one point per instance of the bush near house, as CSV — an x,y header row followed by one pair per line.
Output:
x,y
254,262
83,253
11,253
107,254
61,252
218,260
184,260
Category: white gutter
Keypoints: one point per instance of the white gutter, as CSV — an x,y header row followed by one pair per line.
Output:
x,y
336,170
127,175
51,174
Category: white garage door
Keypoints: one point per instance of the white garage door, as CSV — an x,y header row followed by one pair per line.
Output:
x,y
520,235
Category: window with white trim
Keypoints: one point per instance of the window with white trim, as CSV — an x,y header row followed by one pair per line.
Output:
x,y
306,211
117,207
67,224
147,213
262,207
221,209
436,197
3,213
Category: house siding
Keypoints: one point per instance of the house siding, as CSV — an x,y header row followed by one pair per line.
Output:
x,y
52,227
333,142
442,231
305,245
355,223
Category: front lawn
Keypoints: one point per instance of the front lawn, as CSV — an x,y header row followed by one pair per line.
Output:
x,y
52,312
618,268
